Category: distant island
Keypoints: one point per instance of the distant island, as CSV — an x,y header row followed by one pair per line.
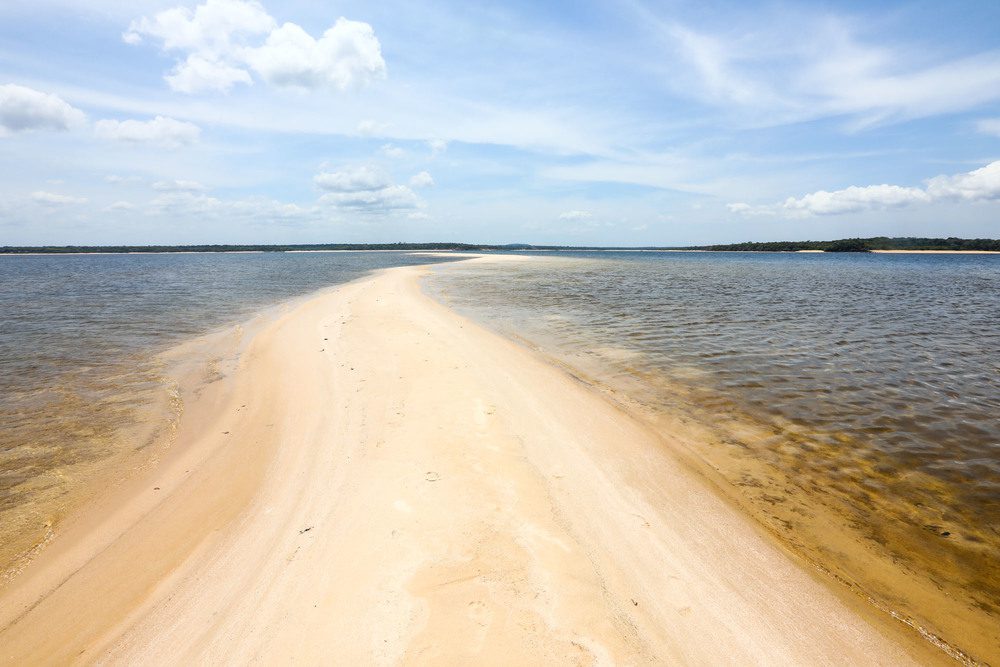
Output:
x,y
839,245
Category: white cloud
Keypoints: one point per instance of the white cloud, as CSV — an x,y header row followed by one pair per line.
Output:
x,y
198,73
989,126
178,186
391,198
120,206
160,131
216,43
421,180
357,179
979,184
714,62
801,67
252,209
982,183
54,199
23,109
115,179
437,146
854,199
392,151
365,189
348,55
214,27
575,215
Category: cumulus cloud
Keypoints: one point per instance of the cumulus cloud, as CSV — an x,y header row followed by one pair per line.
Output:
x,y
23,109
120,206
178,186
391,198
356,179
160,131
392,151
365,189
982,183
977,185
54,199
348,55
421,180
198,73
854,199
219,43
214,27
575,215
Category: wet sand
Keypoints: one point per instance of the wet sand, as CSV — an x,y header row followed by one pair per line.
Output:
x,y
380,480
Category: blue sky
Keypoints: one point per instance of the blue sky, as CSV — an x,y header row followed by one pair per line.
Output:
x,y
599,123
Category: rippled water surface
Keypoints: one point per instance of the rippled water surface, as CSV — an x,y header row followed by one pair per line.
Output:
x,y
79,371
853,395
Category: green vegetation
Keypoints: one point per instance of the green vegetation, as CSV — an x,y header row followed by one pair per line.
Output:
x,y
840,245
862,245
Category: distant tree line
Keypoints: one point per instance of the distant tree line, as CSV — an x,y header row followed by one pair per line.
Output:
x,y
862,245
241,248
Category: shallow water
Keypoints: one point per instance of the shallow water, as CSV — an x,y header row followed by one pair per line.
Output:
x,y
852,401
82,384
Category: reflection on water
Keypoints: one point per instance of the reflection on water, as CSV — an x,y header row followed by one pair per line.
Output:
x,y
853,400
81,382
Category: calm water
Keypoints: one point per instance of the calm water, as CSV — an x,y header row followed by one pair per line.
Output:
x,y
79,339
842,396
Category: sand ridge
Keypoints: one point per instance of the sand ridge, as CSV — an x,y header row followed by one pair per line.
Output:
x,y
382,481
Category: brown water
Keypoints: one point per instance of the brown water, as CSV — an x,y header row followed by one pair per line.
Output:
x,y
85,392
850,402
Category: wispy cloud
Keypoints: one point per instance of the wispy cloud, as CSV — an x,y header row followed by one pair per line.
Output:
x,y
178,186
822,67
55,199
160,131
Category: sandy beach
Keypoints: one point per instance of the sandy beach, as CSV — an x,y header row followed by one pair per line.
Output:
x,y
379,480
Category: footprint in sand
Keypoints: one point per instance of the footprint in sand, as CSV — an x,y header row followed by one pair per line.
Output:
x,y
480,613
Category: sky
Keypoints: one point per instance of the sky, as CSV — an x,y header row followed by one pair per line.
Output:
x,y
623,123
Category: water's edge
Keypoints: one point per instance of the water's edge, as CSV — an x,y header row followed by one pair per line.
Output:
x,y
849,556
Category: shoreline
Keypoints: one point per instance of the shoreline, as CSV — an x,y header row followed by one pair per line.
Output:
x,y
415,488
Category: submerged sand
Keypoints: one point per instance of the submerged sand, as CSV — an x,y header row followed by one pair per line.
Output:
x,y
381,481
